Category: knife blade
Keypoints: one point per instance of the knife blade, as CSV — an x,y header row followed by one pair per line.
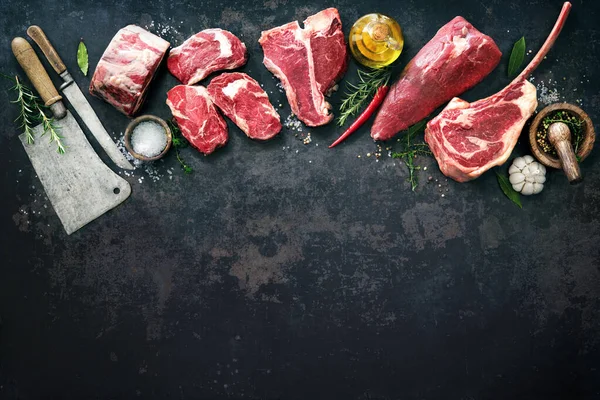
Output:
x,y
77,100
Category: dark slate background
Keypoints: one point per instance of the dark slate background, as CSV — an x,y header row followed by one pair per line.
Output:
x,y
284,270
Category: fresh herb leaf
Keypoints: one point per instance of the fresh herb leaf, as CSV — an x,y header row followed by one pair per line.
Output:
x,y
508,190
516,57
411,150
31,114
357,96
179,142
82,58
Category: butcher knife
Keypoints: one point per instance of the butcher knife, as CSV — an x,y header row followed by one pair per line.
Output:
x,y
72,92
78,184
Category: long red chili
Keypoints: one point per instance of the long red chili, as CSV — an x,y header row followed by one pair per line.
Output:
x,y
362,118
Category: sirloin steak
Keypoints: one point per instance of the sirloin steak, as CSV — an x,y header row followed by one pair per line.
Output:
x,y
467,139
199,121
204,53
243,100
308,62
126,68
457,58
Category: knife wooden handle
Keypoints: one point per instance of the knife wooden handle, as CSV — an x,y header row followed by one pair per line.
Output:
x,y
37,34
35,70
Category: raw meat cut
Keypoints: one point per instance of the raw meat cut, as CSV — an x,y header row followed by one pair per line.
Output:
x,y
308,62
467,139
127,67
197,117
242,99
206,52
457,58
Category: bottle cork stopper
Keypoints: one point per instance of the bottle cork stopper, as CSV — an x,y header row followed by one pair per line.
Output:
x,y
380,32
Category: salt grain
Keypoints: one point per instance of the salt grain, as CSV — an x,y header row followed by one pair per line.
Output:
x,y
148,139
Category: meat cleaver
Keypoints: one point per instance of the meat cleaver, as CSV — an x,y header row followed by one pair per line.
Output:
x,y
78,184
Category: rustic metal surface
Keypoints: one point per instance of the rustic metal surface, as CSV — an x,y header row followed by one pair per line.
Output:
x,y
284,270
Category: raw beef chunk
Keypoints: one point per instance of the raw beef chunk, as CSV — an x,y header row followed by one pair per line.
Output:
x,y
199,121
204,53
127,67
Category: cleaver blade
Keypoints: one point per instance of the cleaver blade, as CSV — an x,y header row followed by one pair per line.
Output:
x,y
78,184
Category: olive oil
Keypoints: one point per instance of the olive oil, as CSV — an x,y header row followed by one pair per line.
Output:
x,y
376,40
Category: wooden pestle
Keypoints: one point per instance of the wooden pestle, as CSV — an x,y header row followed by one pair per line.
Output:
x,y
559,135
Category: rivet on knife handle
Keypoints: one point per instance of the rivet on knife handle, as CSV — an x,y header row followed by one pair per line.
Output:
x,y
35,71
37,34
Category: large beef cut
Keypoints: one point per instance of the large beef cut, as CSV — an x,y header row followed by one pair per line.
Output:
x,y
456,59
127,67
308,62
197,117
243,100
206,52
467,139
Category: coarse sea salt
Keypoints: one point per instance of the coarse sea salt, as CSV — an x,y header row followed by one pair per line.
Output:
x,y
148,139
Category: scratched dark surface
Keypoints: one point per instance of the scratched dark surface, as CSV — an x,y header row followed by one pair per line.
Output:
x,y
288,271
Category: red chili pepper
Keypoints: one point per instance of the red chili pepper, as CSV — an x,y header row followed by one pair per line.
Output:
x,y
362,118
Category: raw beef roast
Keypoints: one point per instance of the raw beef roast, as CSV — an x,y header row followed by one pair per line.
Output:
x,y
127,67
204,53
467,139
308,62
242,99
456,59
199,121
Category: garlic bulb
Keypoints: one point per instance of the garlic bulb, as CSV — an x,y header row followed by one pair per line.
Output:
x,y
527,176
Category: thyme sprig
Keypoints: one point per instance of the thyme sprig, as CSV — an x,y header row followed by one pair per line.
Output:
x,y
410,150
358,94
179,142
31,113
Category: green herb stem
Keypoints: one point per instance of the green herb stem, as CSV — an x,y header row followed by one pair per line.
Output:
x,y
357,95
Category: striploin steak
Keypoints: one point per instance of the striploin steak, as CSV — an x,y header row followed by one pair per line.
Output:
x,y
456,59
126,68
206,52
197,117
308,62
467,139
243,100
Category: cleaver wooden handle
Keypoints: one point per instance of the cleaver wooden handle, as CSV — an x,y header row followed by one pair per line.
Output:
x,y
35,71
37,34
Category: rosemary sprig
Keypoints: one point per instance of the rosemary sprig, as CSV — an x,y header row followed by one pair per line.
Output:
x,y
357,95
31,113
410,150
179,142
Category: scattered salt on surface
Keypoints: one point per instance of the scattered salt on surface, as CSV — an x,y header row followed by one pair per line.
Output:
x,y
293,123
148,139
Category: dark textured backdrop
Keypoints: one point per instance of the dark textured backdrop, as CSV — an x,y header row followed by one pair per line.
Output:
x,y
284,270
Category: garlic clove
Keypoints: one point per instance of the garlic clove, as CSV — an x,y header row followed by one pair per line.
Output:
x,y
516,178
527,189
528,159
540,178
519,163
526,171
543,169
518,186
513,169
537,187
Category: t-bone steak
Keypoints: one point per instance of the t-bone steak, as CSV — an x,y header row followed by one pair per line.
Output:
x,y
453,61
243,100
206,52
308,62
467,139
197,117
126,68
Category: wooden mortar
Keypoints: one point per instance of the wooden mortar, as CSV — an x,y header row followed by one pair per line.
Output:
x,y
132,126
589,136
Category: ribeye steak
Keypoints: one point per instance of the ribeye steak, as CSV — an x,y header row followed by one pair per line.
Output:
x,y
206,52
197,117
467,139
308,62
127,67
453,61
243,100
